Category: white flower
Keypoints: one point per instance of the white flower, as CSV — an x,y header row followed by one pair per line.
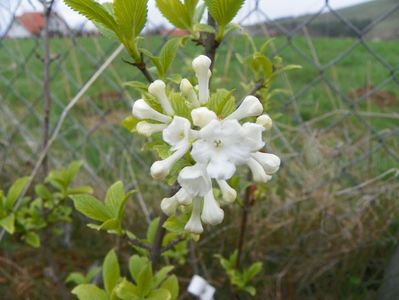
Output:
x,y
188,91
265,121
221,147
269,162
201,66
169,205
228,193
211,212
202,116
250,107
158,89
258,173
177,132
142,110
148,129
194,224
195,180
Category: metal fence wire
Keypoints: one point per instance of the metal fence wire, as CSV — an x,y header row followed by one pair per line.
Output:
x,y
338,115
336,124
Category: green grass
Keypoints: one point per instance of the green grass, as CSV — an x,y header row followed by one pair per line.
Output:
x,y
74,63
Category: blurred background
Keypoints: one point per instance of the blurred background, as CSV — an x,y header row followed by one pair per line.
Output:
x,y
326,227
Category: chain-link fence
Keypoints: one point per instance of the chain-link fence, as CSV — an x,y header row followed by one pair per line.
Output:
x,y
336,120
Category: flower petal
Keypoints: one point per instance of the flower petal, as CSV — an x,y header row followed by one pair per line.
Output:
x,y
169,205
177,131
148,129
220,169
142,110
158,89
184,197
194,180
250,107
269,162
194,224
252,133
229,194
258,173
202,116
211,212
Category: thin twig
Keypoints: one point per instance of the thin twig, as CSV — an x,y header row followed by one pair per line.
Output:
x,y
138,243
142,67
209,41
173,243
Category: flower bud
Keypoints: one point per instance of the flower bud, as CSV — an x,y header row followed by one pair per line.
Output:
x,y
188,91
194,224
202,116
161,168
250,107
265,121
178,131
157,89
258,173
169,205
147,129
228,193
269,162
211,212
201,66
142,110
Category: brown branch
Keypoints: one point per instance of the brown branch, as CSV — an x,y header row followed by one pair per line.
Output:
x,y
173,243
155,252
209,41
248,201
46,83
258,86
142,68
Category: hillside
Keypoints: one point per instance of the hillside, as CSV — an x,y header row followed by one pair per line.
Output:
x,y
366,16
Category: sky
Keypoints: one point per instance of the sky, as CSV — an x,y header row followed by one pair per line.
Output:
x,y
272,8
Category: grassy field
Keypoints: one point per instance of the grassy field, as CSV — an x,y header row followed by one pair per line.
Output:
x,y
316,239
336,75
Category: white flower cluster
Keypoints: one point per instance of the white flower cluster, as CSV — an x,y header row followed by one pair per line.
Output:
x,y
217,146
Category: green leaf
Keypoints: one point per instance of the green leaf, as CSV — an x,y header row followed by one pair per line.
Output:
x,y
252,271
250,290
91,207
80,190
172,285
136,264
76,278
72,170
144,280
108,33
137,85
130,17
167,55
130,123
178,13
114,198
204,28
219,100
224,11
179,105
262,62
159,294
228,108
160,276
32,239
89,292
93,11
111,272
43,192
8,223
111,224
152,230
127,290
15,191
